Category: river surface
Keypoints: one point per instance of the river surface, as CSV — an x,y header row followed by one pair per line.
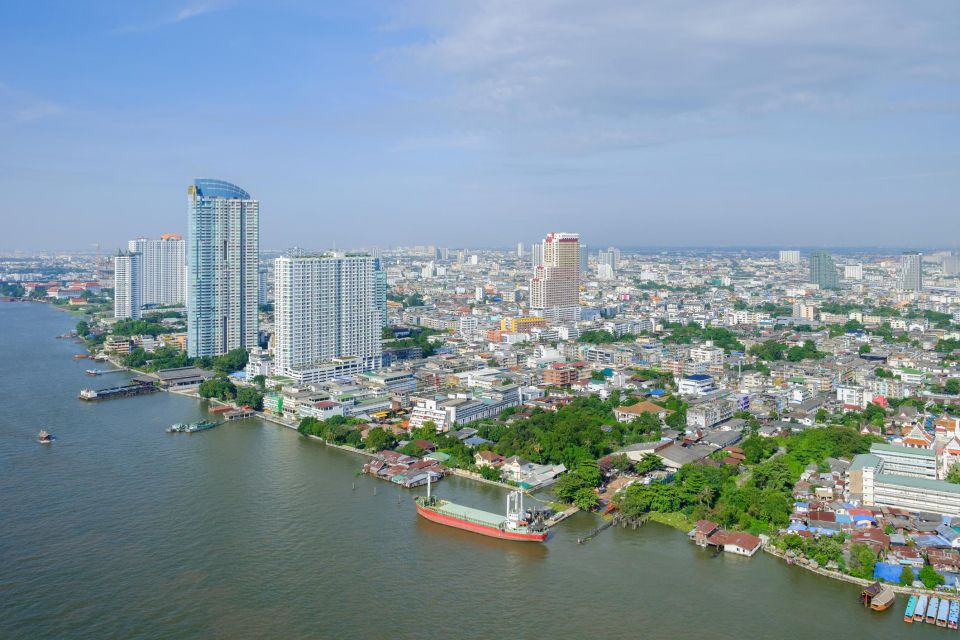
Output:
x,y
120,530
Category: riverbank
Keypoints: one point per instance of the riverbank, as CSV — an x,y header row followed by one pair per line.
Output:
x,y
675,520
863,582
121,530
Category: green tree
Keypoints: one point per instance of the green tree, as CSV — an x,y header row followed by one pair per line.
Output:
x,y
648,463
490,473
250,397
219,387
929,577
952,386
411,449
233,360
775,475
83,328
906,576
862,561
864,348
568,485
309,426
138,328
586,499
379,439
261,381
589,472
953,474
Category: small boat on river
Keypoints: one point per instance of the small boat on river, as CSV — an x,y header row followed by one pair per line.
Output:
x,y
942,611
932,607
911,608
191,427
44,438
921,609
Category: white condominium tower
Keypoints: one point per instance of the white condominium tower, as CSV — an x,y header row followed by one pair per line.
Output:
x,y
327,316
536,255
911,271
223,252
126,283
555,286
790,257
163,266
610,257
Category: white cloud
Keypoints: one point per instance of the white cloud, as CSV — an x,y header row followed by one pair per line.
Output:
x,y
619,73
19,107
184,14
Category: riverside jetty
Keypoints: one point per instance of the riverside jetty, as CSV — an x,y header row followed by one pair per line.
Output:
x,y
135,388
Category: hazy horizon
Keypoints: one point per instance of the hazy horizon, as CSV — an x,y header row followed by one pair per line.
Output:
x,y
637,124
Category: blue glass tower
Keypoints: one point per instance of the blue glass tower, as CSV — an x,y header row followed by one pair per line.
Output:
x,y
223,255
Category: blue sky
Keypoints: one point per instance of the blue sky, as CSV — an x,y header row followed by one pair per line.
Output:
x,y
360,123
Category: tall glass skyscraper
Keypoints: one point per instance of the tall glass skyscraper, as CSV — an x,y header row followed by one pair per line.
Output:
x,y
223,255
823,271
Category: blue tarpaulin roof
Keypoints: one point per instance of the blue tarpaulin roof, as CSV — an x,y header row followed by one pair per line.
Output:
x,y
890,572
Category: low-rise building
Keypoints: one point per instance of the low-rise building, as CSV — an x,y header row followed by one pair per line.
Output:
x,y
629,413
696,385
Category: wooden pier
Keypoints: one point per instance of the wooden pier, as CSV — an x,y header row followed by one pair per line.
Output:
x,y
590,536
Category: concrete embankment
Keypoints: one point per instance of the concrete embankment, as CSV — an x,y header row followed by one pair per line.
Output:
x,y
836,575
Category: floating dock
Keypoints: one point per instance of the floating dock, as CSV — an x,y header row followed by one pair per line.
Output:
x,y
135,388
239,414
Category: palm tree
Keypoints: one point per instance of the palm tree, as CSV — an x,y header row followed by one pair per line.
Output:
x,y
705,497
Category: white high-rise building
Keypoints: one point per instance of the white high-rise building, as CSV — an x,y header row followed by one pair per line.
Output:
x,y
536,255
519,249
610,257
853,272
127,286
804,311
467,326
790,257
555,286
604,271
163,269
950,264
327,317
223,270
911,271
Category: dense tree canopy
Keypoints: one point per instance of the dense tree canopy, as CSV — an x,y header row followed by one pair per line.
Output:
x,y
219,387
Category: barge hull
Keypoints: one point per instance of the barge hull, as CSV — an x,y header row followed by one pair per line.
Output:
x,y
473,527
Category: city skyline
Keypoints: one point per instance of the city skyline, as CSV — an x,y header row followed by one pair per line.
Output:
x,y
701,125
